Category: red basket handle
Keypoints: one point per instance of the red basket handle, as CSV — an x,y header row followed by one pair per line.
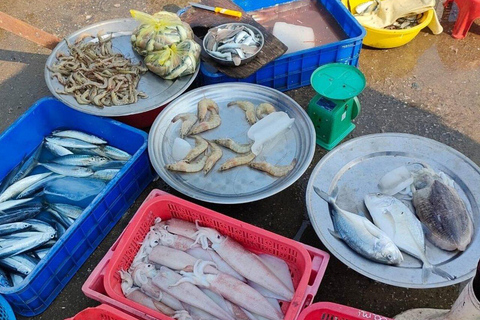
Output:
x,y
319,265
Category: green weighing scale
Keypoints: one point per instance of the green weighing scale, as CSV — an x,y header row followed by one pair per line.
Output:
x,y
336,104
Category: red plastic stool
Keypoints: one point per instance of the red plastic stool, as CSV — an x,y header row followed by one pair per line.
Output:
x,y
469,10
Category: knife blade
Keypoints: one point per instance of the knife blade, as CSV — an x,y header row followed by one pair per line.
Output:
x,y
228,12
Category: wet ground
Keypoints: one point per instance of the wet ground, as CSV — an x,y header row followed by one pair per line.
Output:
x,y
429,87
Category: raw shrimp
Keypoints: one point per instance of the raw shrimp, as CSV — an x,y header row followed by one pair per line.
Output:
x,y
213,121
188,120
234,146
249,109
264,109
237,161
204,106
200,146
184,166
276,171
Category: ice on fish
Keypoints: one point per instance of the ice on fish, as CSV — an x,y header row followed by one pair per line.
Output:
x,y
73,189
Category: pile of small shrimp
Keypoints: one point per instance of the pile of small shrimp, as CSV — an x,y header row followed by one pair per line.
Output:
x,y
95,75
187,272
191,128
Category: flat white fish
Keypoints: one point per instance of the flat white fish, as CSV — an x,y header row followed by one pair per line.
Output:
x,y
400,224
361,235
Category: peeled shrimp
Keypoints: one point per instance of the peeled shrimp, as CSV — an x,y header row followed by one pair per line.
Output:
x,y
188,120
234,146
215,155
276,171
264,109
184,166
237,161
204,106
249,109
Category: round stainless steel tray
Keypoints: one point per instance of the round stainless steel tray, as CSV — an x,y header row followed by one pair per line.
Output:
x,y
241,184
159,91
356,166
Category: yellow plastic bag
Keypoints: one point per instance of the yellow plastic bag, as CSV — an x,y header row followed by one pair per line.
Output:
x,y
158,31
174,61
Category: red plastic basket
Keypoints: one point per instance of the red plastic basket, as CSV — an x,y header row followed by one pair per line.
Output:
x,y
333,311
102,312
307,265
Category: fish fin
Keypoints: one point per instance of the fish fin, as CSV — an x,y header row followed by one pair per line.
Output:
x,y
325,196
442,273
335,234
425,272
373,229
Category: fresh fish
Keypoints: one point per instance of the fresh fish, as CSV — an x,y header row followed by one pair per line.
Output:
x,y
28,165
57,150
105,174
14,246
37,186
65,221
13,227
20,214
21,185
71,171
81,160
73,189
114,164
16,279
47,216
71,143
361,235
60,229
113,153
20,263
90,138
4,280
41,226
400,224
67,210
440,208
6,182
41,253
13,203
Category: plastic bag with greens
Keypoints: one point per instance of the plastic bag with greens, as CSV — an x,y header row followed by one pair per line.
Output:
x,y
158,31
174,61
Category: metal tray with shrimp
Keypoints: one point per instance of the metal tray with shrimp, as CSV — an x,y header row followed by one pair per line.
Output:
x,y
158,90
241,184
355,168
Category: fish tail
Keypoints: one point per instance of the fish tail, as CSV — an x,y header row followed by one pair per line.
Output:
x,y
425,272
325,196
429,268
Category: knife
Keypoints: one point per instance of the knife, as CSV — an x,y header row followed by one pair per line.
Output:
x,y
217,9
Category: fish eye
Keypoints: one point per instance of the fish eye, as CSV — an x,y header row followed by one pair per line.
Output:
x,y
218,237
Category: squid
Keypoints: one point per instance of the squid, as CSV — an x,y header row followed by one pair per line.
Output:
x,y
181,227
175,241
188,293
210,255
243,261
232,289
174,259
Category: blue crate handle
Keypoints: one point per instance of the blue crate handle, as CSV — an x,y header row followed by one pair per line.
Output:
x,y
6,312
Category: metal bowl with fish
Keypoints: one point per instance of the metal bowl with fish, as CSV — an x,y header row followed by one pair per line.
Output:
x,y
233,44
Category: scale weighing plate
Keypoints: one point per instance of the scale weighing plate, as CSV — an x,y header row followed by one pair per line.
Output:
x,y
356,166
159,91
241,184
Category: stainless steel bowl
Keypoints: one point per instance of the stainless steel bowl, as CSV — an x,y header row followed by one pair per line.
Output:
x,y
230,62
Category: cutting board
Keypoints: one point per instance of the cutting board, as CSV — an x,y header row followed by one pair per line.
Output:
x,y
201,20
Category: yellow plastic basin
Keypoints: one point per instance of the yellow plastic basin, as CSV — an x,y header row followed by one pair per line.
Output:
x,y
384,38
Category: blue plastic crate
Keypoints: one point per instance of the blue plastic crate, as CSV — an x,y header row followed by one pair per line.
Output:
x,y
293,70
53,272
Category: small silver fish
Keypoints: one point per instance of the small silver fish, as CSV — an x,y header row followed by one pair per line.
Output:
x,y
71,171
81,160
21,185
105,174
71,143
68,210
57,150
90,138
13,203
113,153
13,227
38,185
14,246
19,263
361,235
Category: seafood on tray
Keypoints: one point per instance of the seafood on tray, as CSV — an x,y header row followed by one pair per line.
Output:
x,y
94,74
266,124
440,216
233,42
187,271
44,195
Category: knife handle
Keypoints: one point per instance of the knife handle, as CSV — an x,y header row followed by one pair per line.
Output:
x,y
228,12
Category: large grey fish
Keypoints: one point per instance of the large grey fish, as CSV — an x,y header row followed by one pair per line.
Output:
x,y
112,152
440,208
13,246
81,160
57,150
90,138
19,263
361,235
71,171
37,186
71,143
21,185
400,224
13,227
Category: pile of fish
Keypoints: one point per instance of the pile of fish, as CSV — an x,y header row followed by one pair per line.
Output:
x,y
95,75
190,272
400,24
207,153
232,42
44,195
396,228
